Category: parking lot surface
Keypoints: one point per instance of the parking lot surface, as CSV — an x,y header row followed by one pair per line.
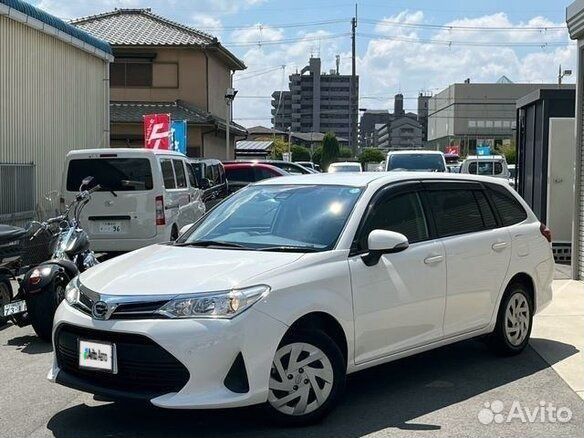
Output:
x,y
439,393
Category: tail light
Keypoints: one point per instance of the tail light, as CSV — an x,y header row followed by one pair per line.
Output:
x,y
160,219
62,204
545,232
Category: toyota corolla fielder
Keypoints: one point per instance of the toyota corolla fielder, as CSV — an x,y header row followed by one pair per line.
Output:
x,y
287,286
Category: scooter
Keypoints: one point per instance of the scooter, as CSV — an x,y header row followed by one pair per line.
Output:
x,y
43,287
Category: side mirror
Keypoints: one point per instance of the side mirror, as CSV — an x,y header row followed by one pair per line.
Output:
x,y
205,183
383,242
86,181
184,229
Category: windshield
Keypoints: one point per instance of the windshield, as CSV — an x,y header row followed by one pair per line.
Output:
x,y
416,162
308,217
344,168
119,174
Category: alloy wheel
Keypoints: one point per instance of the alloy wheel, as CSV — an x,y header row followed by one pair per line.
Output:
x,y
301,379
517,319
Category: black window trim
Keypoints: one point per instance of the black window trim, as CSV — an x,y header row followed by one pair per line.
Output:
x,y
392,189
489,188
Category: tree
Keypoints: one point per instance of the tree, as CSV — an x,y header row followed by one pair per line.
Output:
x,y
300,153
330,150
317,156
371,156
345,152
510,152
279,147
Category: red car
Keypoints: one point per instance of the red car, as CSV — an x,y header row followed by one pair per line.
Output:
x,y
241,174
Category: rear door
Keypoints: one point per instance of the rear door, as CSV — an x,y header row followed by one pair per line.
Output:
x,y
477,252
124,206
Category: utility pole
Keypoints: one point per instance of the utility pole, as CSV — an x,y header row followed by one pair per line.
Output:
x,y
353,93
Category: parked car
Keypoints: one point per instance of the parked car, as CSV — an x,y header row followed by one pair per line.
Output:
x,y
210,175
512,174
287,166
487,165
415,161
345,166
146,196
309,165
453,168
292,283
241,174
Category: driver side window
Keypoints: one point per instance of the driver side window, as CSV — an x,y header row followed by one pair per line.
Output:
x,y
401,213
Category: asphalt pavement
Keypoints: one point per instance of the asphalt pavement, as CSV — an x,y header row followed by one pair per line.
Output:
x,y
438,393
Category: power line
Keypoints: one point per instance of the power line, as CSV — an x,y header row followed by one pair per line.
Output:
x,y
275,26
286,40
461,28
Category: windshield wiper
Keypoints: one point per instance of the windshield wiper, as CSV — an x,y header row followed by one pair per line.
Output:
x,y
205,243
289,249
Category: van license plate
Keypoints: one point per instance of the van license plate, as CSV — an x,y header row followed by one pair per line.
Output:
x,y
14,308
97,355
110,227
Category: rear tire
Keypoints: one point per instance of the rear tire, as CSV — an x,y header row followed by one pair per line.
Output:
x,y
5,296
514,321
42,306
304,395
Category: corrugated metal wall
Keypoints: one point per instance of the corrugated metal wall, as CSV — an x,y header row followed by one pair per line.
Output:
x,y
54,97
579,225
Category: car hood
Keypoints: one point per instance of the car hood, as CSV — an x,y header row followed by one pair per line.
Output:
x,y
165,269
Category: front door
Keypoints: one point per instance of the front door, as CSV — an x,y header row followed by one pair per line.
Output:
x,y
399,302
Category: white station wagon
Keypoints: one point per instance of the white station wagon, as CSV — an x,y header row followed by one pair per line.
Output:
x,y
292,283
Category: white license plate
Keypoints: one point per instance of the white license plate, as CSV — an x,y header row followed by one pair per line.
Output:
x,y
14,308
110,227
97,355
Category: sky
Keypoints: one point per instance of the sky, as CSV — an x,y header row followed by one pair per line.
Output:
x,y
407,46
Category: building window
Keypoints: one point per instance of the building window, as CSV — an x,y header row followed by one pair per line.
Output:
x,y
480,123
498,123
488,123
472,123
131,73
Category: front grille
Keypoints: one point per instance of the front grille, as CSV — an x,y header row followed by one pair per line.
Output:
x,y
144,367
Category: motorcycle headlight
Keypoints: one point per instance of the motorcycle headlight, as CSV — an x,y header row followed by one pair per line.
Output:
x,y
214,305
72,292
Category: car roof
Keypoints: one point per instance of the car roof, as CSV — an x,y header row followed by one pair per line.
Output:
x,y
414,151
364,179
343,163
262,165
122,151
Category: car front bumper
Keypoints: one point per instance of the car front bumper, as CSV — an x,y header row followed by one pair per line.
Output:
x,y
207,348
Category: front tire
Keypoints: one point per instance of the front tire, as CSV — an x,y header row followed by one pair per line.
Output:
x,y
42,306
307,378
514,321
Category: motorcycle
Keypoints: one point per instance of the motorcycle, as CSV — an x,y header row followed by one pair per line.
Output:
x,y
43,287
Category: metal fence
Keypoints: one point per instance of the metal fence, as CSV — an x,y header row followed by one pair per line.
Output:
x,y
17,192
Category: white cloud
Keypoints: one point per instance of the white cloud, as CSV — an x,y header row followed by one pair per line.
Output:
x,y
257,34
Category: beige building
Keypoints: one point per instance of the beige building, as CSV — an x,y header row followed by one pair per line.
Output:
x,y
54,97
165,67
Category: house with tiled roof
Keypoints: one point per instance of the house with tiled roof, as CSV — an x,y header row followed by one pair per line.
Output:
x,y
162,66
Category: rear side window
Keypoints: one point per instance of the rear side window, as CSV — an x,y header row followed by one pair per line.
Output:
x,y
509,208
400,213
179,170
167,174
243,174
262,173
117,174
192,174
459,211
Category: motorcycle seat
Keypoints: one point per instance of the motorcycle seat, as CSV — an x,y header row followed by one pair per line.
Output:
x,y
9,234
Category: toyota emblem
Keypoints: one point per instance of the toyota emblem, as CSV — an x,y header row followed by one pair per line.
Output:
x,y
99,310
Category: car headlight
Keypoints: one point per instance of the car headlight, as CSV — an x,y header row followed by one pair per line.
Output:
x,y
214,305
72,292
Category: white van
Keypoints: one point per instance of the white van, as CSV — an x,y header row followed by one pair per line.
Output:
x,y
486,165
146,196
415,161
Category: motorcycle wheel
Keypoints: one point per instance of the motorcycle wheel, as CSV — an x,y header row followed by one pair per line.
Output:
x,y
5,296
42,306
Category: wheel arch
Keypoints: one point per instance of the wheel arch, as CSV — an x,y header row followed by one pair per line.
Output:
x,y
527,281
324,321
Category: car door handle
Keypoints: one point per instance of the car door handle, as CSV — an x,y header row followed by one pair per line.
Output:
x,y
499,246
171,206
432,260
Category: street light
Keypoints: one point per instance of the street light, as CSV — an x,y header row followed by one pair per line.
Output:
x,y
230,94
562,75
